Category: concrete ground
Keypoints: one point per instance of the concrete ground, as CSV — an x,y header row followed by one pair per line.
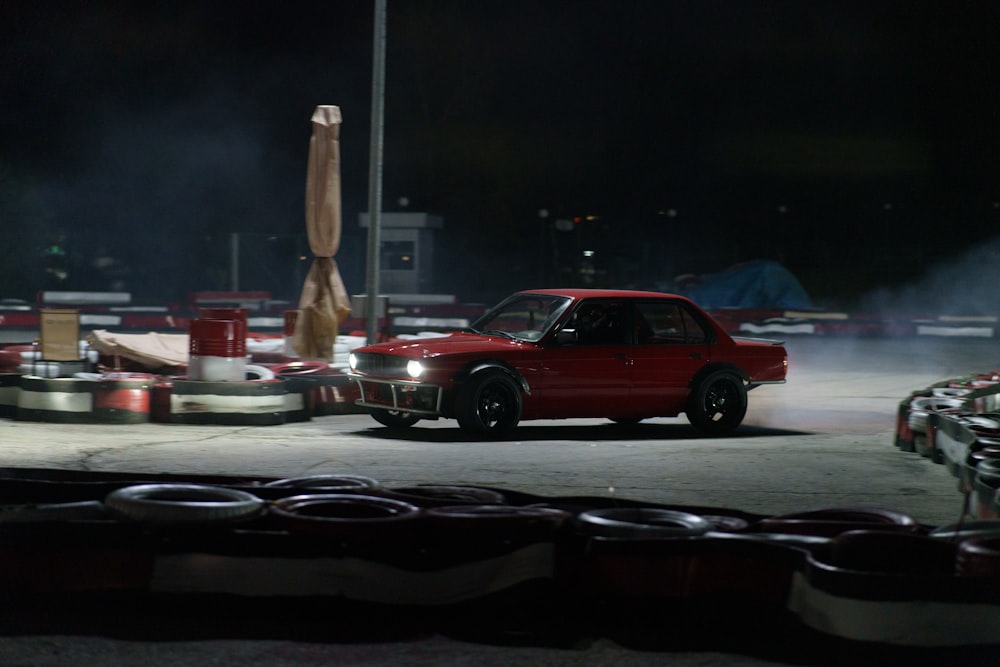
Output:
x,y
824,439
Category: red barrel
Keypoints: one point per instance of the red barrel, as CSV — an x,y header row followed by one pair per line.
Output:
x,y
291,319
123,398
223,314
218,350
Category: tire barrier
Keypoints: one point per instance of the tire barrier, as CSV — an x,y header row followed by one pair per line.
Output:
x,y
83,510
438,495
13,356
352,520
920,410
130,398
159,401
622,571
504,524
632,554
122,398
248,403
300,367
899,553
641,523
521,540
957,423
258,372
328,484
300,398
334,394
306,390
979,556
56,400
10,388
832,522
184,503
985,486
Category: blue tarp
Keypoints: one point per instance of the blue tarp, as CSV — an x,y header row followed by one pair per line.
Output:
x,y
757,284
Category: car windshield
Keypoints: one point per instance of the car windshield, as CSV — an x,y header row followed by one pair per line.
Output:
x,y
522,316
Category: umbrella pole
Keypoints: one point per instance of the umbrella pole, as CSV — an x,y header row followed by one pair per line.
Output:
x,y
375,174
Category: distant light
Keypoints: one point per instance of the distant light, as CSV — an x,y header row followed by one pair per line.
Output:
x,y
543,213
671,212
588,253
782,208
887,206
404,201
302,258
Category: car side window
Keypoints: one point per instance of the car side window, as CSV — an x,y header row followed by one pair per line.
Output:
x,y
599,323
667,323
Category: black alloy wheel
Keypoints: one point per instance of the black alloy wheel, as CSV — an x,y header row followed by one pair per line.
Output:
x,y
718,404
489,405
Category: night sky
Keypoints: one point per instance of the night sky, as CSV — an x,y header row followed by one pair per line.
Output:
x,y
855,142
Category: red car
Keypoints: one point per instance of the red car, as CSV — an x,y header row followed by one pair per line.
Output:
x,y
555,354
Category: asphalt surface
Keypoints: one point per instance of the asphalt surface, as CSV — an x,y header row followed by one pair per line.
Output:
x,y
823,440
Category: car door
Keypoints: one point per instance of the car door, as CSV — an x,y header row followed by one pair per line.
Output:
x,y
671,346
586,371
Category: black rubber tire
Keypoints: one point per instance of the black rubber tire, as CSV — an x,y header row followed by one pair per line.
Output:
x,y
394,418
355,519
438,495
641,523
184,503
327,483
833,521
718,404
488,405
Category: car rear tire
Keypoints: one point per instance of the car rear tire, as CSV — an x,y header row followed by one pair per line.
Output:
x,y
394,418
488,405
718,404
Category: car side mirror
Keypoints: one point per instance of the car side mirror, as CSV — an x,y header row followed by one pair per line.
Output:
x,y
566,337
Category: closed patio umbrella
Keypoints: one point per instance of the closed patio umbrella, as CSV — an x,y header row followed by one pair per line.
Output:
x,y
324,302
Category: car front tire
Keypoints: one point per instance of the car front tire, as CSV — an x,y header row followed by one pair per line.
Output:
x,y
488,405
718,403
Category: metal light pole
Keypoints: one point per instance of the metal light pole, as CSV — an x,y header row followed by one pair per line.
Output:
x,y
375,174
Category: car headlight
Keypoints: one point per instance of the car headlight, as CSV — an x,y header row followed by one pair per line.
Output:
x,y
414,368
352,361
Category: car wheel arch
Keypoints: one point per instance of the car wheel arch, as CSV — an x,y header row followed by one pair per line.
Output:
x,y
492,365
708,369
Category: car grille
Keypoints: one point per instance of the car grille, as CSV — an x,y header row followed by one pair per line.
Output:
x,y
381,364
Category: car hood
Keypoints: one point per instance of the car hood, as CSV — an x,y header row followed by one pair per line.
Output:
x,y
459,343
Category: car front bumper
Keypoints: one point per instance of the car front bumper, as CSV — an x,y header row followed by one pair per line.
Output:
x,y
411,396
